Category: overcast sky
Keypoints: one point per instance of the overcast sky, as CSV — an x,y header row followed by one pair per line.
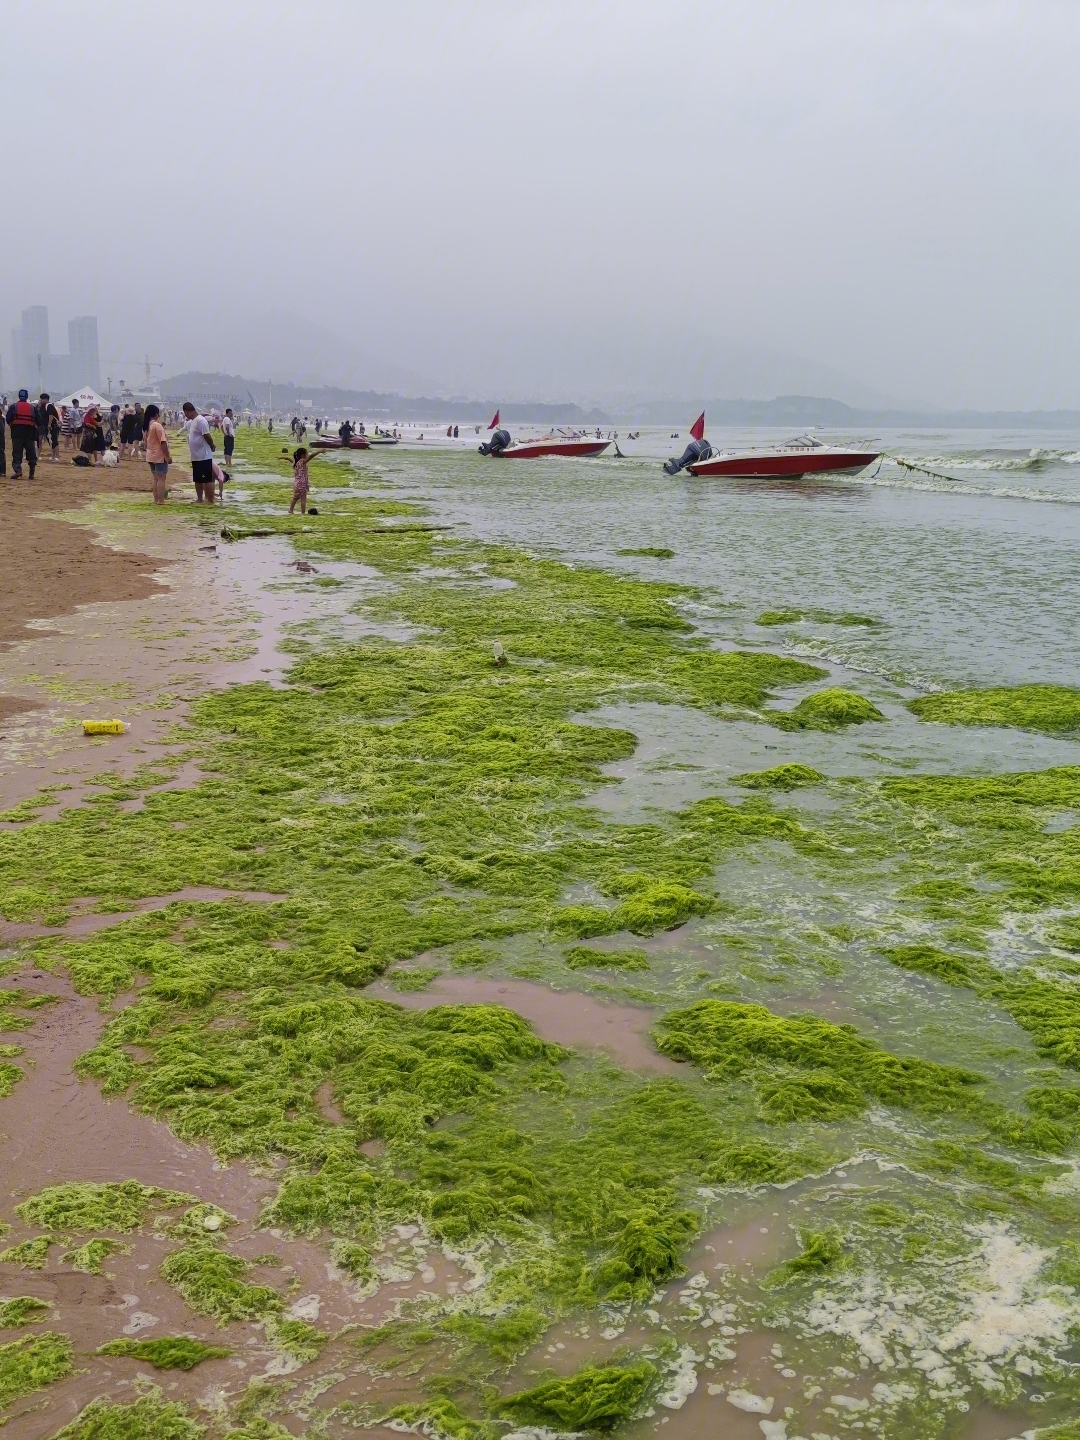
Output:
x,y
558,197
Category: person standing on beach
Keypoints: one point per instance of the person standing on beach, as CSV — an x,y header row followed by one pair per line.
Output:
x,y
127,432
41,421
157,452
93,434
228,429
23,427
201,450
3,443
48,423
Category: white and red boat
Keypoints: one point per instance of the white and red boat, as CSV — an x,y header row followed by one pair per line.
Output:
x,y
805,456
555,442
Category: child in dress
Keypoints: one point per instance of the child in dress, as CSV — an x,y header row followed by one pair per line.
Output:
x,y
301,484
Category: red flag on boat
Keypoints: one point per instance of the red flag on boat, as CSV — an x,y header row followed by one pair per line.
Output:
x,y
495,421
697,430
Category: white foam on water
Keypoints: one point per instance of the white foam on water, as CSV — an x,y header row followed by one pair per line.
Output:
x,y
994,1312
683,1380
751,1403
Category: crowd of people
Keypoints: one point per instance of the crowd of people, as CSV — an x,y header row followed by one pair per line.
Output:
x,y
99,436
41,427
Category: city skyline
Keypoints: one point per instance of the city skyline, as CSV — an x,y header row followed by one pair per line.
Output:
x,y
35,365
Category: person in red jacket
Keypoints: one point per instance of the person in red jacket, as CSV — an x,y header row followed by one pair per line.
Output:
x,y
22,423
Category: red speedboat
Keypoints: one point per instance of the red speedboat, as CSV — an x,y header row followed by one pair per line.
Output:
x,y
554,444
805,456
356,442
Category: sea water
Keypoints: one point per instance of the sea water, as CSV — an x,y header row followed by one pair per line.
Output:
x,y
962,548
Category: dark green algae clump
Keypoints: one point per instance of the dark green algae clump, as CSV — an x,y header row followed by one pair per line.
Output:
x,y
809,1068
780,777
1051,709
168,1353
829,709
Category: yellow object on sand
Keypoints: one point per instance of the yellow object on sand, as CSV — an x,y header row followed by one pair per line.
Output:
x,y
103,727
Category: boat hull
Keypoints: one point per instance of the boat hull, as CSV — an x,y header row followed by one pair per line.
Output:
x,y
358,442
535,450
791,464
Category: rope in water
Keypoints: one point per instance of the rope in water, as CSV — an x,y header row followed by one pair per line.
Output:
x,y
922,470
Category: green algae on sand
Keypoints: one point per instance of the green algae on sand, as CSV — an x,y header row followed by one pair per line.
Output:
x,y
596,1398
10,1075
212,1283
80,1206
90,1258
168,1353
30,1363
805,1067
1051,709
29,1254
150,1417
462,829
22,1310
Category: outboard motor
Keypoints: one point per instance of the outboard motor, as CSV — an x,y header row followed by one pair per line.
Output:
x,y
497,444
695,452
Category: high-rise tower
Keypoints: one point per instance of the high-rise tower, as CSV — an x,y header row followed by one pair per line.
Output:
x,y
32,345
83,348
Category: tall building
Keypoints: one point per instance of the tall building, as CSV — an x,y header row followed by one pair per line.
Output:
x,y
83,349
38,369
31,345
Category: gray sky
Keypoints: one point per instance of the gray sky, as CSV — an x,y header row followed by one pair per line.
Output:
x,y
578,200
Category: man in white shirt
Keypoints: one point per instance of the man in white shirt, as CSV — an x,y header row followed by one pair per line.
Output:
x,y
228,429
201,449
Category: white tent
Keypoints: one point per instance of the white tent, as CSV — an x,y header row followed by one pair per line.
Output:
x,y
84,398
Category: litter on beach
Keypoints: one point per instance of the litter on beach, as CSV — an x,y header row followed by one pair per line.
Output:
x,y
103,727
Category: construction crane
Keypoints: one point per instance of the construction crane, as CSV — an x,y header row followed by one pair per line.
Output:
x,y
147,364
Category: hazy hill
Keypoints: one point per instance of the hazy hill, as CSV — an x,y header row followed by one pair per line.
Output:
x,y
792,411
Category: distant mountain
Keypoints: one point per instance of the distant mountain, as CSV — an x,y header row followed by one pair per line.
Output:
x,y
206,387
281,345
785,411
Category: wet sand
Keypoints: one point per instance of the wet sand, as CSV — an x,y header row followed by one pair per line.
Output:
x,y
89,923
58,566
55,1128
566,1017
